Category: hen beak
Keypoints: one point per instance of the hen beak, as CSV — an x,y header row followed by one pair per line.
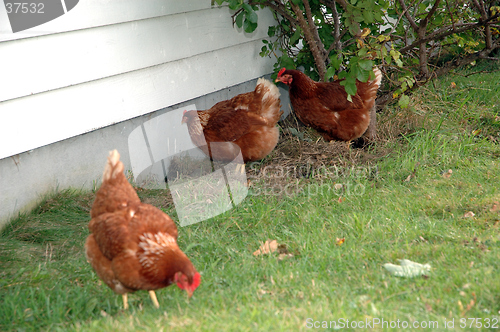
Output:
x,y
190,292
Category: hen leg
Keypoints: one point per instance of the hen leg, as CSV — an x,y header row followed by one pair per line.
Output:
x,y
125,301
152,294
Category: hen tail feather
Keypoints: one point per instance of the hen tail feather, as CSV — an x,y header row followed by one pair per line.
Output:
x,y
270,100
378,77
114,166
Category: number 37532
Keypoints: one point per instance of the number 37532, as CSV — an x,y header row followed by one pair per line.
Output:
x,y
24,7
479,322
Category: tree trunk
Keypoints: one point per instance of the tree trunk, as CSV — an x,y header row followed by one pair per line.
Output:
x,y
422,54
309,35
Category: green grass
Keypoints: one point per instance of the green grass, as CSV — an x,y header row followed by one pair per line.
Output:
x,y
46,284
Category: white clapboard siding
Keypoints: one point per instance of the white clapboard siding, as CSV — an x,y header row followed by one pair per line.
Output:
x,y
107,66
95,13
55,115
35,65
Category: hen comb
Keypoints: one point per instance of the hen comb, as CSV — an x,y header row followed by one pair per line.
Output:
x,y
196,281
281,71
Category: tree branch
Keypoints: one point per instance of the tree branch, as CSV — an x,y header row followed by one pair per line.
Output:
x,y
311,41
278,8
446,31
484,16
314,29
466,60
408,16
336,45
425,21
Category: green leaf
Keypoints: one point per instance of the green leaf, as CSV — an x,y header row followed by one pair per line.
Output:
x,y
350,85
394,54
363,75
296,35
438,19
367,16
330,72
358,17
239,20
248,26
287,62
296,2
263,51
271,31
366,64
342,75
353,29
252,17
362,52
403,86
250,14
336,61
234,4
404,101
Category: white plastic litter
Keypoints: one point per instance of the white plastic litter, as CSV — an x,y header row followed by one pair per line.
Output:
x,y
407,268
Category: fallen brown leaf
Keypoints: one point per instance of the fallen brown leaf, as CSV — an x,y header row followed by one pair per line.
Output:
x,y
447,174
469,214
412,174
266,248
495,207
408,178
469,305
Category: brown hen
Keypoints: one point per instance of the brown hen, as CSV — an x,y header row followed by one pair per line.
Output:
x,y
245,123
132,245
324,105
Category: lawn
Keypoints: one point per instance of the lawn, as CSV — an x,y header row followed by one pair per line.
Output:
x,y
395,199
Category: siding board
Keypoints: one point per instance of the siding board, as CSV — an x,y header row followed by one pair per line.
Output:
x,y
55,61
52,116
96,13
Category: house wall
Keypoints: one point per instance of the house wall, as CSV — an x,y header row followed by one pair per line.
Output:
x,y
74,88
